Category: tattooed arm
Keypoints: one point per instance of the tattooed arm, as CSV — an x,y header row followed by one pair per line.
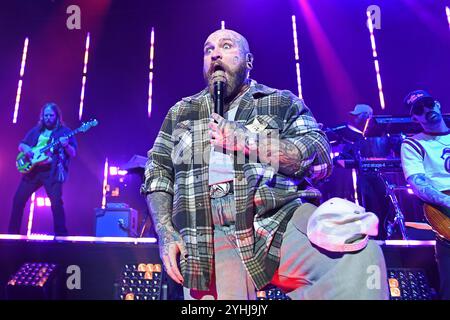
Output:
x,y
170,241
310,149
424,190
283,154
233,136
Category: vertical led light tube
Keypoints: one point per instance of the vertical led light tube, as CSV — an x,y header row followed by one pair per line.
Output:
x,y
447,11
297,57
31,214
375,60
150,75
19,85
355,185
83,80
105,183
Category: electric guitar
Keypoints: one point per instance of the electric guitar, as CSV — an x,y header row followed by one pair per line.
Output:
x,y
42,153
438,218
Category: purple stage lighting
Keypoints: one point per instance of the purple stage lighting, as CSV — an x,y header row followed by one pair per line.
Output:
x,y
19,86
150,76
297,58
31,214
83,81
105,183
447,11
375,57
43,202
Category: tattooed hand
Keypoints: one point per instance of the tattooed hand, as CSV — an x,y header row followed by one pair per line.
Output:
x,y
225,134
170,242
170,246
281,154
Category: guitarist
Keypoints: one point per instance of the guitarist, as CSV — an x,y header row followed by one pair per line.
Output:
x,y
426,165
50,173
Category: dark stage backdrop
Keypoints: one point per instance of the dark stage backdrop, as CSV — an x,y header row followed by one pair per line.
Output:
x,y
336,67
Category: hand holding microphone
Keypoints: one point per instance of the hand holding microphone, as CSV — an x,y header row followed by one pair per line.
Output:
x,y
219,82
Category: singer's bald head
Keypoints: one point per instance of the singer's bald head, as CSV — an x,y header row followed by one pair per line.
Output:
x,y
228,51
232,35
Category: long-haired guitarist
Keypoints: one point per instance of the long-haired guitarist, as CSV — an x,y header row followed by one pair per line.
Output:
x,y
426,165
48,169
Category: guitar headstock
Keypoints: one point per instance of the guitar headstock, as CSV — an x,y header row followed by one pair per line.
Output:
x,y
87,125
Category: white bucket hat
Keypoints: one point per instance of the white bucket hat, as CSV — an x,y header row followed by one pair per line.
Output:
x,y
339,225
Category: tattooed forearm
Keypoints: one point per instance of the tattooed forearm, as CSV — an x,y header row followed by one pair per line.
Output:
x,y
425,191
160,205
282,153
289,157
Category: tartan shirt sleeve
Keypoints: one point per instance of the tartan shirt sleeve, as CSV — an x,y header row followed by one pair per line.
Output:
x,y
302,129
159,171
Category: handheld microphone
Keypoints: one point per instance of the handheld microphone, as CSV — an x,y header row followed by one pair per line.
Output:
x,y
219,82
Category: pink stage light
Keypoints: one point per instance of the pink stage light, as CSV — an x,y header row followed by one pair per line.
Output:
x,y
113,171
339,82
355,185
19,86
105,183
410,242
31,214
297,57
375,57
447,11
40,202
43,202
150,75
83,80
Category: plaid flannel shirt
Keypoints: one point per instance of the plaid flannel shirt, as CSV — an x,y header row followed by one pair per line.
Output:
x,y
265,199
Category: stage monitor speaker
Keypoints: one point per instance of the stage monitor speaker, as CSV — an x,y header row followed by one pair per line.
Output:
x,y
116,220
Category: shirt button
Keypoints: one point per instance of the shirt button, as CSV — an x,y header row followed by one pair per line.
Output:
x,y
242,237
240,177
199,204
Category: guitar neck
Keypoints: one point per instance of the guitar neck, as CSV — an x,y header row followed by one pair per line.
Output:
x,y
55,143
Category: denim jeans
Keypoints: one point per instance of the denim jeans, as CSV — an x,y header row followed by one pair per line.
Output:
x,y
305,271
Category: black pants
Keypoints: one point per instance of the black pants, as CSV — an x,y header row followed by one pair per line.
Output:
x,y
443,262
373,195
30,183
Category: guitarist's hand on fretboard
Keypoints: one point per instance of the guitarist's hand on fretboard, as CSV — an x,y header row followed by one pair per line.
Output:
x,y
64,141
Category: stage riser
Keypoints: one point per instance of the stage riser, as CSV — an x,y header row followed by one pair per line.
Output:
x,y
102,263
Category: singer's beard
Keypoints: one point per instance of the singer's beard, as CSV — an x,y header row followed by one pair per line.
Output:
x,y
235,81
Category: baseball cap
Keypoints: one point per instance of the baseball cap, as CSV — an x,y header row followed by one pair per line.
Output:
x,y
361,108
416,100
339,225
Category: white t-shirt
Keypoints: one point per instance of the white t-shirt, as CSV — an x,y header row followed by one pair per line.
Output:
x,y
221,165
428,154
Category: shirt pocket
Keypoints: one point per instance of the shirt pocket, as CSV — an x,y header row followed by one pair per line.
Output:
x,y
267,124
